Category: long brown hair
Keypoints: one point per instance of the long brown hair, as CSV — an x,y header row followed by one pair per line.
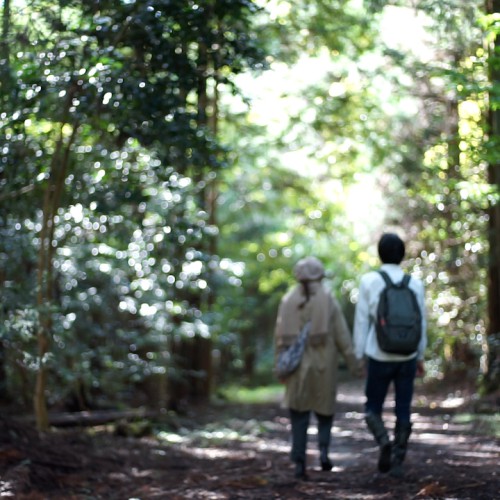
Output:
x,y
307,293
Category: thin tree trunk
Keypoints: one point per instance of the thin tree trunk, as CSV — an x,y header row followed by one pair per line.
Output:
x,y
492,376
4,50
52,202
4,76
212,192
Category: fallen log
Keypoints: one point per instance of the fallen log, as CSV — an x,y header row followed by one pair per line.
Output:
x,y
94,417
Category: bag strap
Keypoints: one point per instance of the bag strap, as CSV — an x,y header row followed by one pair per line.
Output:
x,y
305,330
384,275
388,282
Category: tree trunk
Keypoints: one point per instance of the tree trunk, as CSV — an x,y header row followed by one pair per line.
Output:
x,y
4,49
213,191
4,78
45,285
492,374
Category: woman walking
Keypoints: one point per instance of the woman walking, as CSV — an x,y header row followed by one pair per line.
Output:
x,y
312,388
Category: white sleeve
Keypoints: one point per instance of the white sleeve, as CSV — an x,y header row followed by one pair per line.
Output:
x,y
361,321
421,302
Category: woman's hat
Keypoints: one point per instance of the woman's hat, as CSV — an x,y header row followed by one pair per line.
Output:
x,y
309,269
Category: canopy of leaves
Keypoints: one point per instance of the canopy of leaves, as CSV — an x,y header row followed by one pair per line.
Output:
x,y
204,147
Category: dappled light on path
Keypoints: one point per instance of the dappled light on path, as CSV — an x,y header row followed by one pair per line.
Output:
x,y
241,451
441,457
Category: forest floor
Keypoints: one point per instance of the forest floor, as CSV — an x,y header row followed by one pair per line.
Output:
x,y
237,451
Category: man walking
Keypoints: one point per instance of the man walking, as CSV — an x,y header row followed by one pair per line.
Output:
x,y
383,367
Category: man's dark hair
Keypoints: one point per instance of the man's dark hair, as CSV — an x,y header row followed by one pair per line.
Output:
x,y
391,248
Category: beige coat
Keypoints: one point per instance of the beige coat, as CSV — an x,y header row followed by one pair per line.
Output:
x,y
313,387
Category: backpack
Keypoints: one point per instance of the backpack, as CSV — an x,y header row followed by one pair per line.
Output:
x,y
399,319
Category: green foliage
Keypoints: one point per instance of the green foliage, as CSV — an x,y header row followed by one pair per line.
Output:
x,y
196,179
480,424
257,395
130,265
444,188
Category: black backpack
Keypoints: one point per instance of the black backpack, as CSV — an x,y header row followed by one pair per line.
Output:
x,y
399,319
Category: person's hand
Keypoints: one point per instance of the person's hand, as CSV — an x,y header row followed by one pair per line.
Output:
x,y
360,370
420,368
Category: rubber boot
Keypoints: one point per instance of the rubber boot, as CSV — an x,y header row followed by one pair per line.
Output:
x,y
324,437
326,463
401,437
300,424
300,470
377,428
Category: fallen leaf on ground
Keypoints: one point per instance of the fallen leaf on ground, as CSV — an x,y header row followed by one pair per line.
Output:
x,y
431,489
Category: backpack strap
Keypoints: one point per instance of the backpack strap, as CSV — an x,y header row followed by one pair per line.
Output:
x,y
406,280
384,275
388,282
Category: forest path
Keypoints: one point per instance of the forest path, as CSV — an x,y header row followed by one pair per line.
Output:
x,y
231,452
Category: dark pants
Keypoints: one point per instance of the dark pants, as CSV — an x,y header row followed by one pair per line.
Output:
x,y
300,424
380,376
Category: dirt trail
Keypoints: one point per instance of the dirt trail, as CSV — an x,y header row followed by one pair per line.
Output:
x,y
241,452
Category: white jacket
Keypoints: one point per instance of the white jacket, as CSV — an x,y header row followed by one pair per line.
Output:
x,y
365,338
